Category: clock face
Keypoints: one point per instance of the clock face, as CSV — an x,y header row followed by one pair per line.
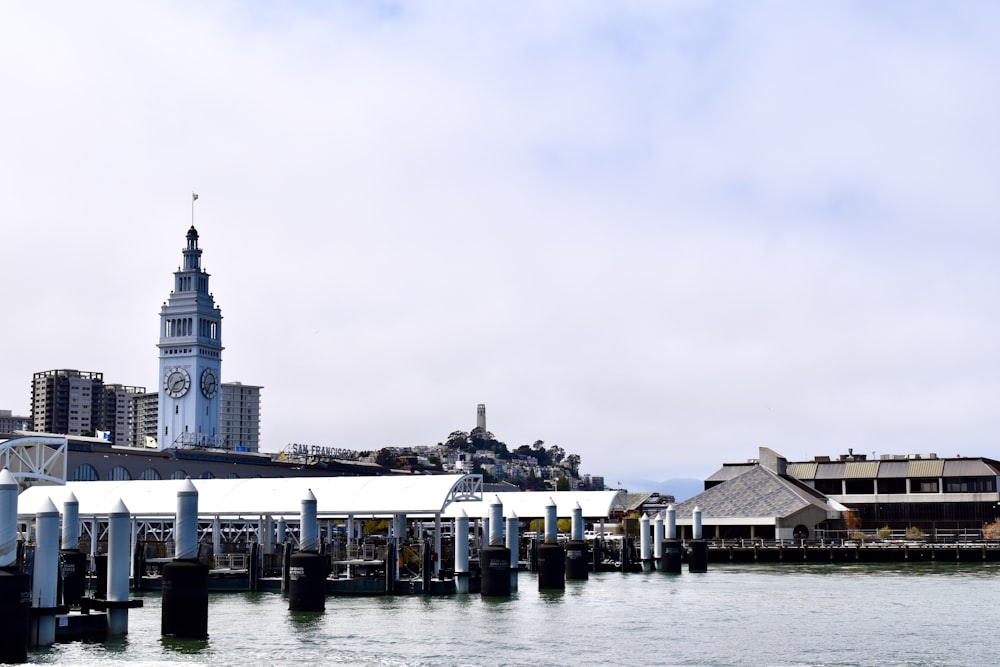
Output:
x,y
209,383
176,382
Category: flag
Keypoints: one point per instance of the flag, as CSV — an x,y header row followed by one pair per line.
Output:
x,y
150,442
194,197
103,435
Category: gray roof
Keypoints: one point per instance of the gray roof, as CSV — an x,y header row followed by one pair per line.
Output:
x,y
756,493
729,470
634,499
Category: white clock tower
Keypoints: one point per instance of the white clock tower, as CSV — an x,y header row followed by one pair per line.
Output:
x,y
190,357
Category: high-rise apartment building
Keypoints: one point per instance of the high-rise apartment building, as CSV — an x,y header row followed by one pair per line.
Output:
x,y
118,413
66,401
240,417
146,408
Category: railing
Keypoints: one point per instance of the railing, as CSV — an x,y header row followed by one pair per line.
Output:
x,y
232,561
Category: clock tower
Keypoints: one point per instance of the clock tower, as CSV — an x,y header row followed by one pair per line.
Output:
x,y
190,357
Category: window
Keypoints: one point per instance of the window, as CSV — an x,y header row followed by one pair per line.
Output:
x,y
829,486
179,474
207,475
970,485
150,473
119,473
85,473
860,486
892,485
924,486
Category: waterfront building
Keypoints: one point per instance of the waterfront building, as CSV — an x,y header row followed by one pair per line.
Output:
x,y
190,357
66,401
239,420
916,494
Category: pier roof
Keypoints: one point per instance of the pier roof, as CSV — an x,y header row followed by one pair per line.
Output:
x,y
532,504
335,496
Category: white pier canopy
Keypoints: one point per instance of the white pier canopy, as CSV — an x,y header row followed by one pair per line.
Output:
x,y
531,504
382,496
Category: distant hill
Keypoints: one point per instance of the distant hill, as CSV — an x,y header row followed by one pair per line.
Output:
x,y
680,488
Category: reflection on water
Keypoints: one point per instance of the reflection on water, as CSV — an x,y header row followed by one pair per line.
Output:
x,y
783,614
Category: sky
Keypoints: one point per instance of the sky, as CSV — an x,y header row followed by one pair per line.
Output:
x,y
659,235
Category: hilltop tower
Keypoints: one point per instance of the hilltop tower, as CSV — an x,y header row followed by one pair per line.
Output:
x,y
481,416
190,357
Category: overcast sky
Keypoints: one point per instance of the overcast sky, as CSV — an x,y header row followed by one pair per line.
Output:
x,y
656,234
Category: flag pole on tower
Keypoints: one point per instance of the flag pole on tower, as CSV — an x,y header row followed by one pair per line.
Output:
x,y
194,198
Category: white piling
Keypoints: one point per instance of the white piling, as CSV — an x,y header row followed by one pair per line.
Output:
x,y
8,518
119,544
496,523
696,523
282,531
186,522
644,550
576,524
308,526
658,541
45,576
671,523
71,523
216,536
551,523
513,543
268,535
437,545
462,552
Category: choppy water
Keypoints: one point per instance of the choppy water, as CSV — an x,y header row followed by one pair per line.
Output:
x,y
790,615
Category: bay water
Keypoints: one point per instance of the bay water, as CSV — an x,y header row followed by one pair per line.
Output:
x,y
934,613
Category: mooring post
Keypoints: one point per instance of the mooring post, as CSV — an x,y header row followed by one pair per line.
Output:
x,y
551,555
697,548
45,575
119,565
513,546
672,553
494,560
74,562
577,562
185,579
307,567
462,552
658,541
15,586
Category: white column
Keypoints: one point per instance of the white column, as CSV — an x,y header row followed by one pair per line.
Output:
x,y
496,523
551,523
186,522
644,542
576,526
462,552
696,523
45,577
658,537
8,518
71,523
119,537
308,526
